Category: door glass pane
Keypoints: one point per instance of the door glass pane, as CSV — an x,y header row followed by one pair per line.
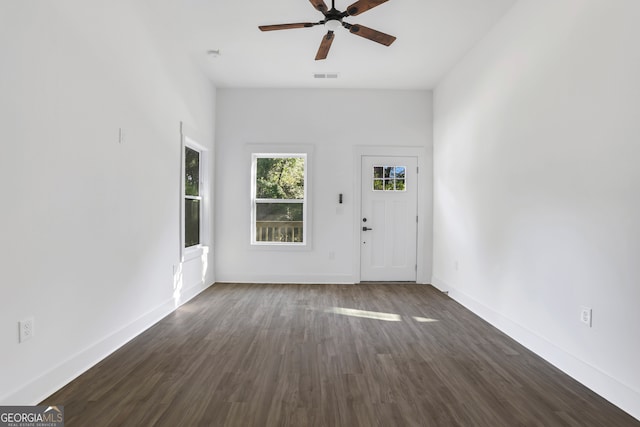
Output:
x,y
388,185
191,222
389,178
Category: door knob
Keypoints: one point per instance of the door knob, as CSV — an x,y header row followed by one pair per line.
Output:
x,y
366,229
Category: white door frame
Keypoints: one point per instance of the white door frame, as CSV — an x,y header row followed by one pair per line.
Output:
x,y
423,252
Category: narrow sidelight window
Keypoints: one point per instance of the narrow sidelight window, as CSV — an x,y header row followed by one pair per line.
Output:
x,y
192,197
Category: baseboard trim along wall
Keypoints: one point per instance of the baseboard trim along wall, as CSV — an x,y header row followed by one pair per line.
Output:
x,y
616,392
61,375
346,279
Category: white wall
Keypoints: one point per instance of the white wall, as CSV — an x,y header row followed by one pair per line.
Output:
x,y
334,123
537,186
89,227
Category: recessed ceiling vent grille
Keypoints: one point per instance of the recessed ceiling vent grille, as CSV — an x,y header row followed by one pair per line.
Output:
x,y
325,75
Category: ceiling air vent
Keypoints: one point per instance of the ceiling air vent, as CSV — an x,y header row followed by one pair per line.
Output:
x,y
325,75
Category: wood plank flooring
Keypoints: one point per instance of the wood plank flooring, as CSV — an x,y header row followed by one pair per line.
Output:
x,y
328,355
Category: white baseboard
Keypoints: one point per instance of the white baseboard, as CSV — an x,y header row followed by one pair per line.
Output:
x,y
59,376
610,388
338,279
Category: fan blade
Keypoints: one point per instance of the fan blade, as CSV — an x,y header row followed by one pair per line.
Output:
x,y
319,5
323,51
373,35
363,5
286,26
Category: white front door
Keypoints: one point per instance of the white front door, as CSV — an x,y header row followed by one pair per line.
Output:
x,y
388,224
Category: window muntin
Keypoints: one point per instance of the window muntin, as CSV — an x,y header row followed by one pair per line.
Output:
x,y
389,178
192,197
279,199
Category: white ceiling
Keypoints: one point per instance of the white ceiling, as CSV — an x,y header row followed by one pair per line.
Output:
x,y
432,35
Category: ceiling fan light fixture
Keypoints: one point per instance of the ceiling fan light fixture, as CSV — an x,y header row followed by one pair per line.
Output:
x,y
332,24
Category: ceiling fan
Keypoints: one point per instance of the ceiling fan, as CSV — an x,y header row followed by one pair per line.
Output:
x,y
333,20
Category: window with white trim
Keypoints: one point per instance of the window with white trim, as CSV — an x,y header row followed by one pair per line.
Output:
x,y
192,197
279,194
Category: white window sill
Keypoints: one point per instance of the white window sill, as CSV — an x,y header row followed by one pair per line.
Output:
x,y
194,252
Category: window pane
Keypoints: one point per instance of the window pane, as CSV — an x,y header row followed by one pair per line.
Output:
x,y
191,222
280,178
279,222
388,185
279,211
192,172
394,178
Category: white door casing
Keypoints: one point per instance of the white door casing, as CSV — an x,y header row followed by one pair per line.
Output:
x,y
388,226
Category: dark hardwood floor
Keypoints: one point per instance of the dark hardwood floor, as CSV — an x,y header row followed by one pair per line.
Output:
x,y
328,355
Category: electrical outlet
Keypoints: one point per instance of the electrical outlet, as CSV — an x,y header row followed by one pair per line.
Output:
x,y
26,330
585,315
